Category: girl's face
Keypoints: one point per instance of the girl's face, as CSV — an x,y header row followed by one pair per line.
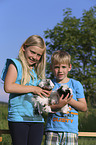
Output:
x,y
33,54
60,72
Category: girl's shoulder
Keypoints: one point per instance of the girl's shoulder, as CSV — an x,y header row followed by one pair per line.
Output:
x,y
14,61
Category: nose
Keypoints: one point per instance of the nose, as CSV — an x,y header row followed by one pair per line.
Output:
x,y
60,69
35,56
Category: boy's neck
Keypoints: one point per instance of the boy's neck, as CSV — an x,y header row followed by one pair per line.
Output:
x,y
66,80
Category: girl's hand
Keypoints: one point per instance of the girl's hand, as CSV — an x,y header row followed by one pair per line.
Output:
x,y
41,92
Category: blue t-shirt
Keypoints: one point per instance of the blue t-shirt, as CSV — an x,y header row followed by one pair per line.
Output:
x,y
20,106
66,122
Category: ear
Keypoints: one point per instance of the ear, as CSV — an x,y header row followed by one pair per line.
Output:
x,y
23,49
70,67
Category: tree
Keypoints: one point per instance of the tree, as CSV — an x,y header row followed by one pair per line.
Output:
x,y
78,37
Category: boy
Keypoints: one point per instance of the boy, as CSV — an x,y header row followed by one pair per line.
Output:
x,y
62,128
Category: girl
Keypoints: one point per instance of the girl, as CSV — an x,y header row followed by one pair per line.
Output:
x,y
21,77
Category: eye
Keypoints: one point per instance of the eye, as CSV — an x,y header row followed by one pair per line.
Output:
x,y
39,55
63,66
56,66
32,51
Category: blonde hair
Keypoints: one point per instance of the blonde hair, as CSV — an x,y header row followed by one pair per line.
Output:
x,y
34,40
61,57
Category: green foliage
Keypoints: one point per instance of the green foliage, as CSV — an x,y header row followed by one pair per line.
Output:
x,y
6,138
87,121
87,141
78,37
3,116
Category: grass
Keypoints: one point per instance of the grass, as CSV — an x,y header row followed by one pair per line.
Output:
x,y
87,141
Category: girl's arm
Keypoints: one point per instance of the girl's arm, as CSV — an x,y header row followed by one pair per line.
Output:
x,y
79,105
11,87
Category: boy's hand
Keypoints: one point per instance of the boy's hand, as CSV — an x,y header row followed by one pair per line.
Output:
x,y
62,102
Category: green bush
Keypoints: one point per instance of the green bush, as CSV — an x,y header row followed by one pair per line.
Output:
x,y
87,121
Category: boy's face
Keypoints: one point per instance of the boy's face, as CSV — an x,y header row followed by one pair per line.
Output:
x,y
61,71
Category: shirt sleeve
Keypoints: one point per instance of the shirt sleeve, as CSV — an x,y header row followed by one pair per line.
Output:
x,y
79,90
8,62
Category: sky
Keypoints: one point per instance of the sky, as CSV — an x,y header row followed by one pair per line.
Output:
x,y
20,19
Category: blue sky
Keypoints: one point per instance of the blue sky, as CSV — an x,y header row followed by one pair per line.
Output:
x,y
21,18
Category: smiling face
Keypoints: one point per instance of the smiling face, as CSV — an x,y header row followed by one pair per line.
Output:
x,y
60,72
33,55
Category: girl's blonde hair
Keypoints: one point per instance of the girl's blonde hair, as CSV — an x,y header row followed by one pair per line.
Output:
x,y
34,40
61,57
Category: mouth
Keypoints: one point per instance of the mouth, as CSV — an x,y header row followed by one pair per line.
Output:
x,y
60,75
32,61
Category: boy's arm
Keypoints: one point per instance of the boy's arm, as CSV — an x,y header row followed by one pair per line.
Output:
x,y
79,105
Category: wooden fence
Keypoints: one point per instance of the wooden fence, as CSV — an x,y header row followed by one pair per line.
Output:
x,y
3,131
86,134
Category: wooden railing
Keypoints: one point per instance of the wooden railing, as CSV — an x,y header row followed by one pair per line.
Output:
x,y
3,131
90,134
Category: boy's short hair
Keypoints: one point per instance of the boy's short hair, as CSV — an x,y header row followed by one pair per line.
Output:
x,y
61,57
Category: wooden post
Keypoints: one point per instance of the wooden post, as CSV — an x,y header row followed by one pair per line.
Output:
x,y
0,139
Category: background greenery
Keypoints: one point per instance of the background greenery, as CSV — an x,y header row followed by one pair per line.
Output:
x,y
78,37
